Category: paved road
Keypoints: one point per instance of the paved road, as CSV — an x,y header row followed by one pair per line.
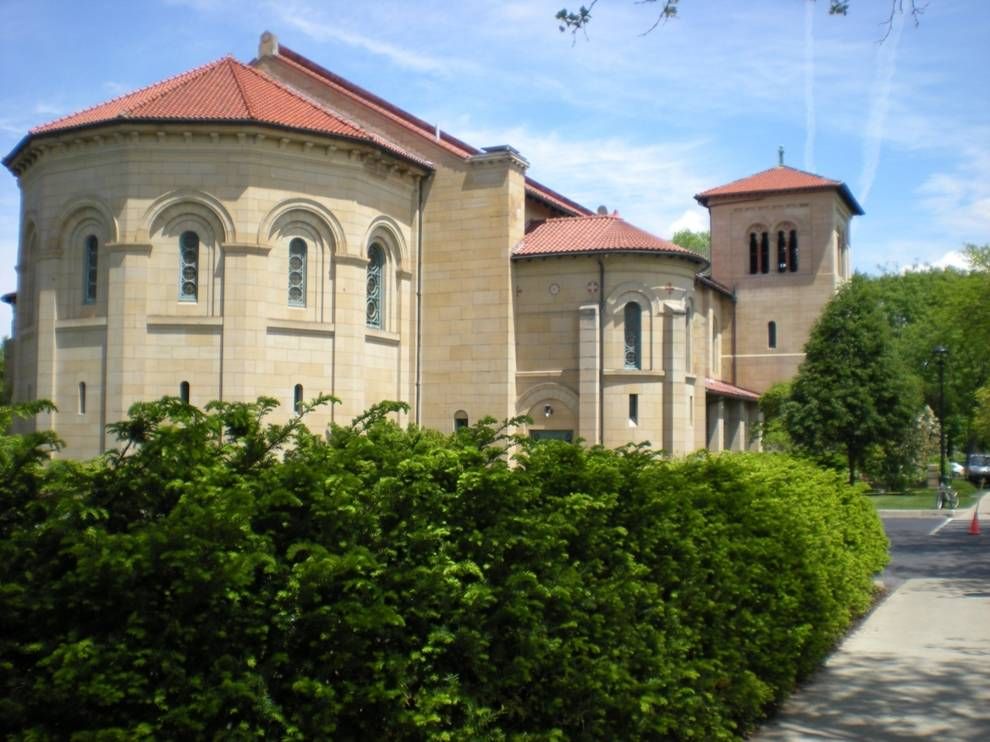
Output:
x,y
919,666
938,548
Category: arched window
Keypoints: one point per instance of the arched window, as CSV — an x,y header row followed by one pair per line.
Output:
x,y
460,420
82,397
297,398
771,334
89,269
781,251
376,288
764,252
297,273
754,254
633,336
793,251
184,391
188,266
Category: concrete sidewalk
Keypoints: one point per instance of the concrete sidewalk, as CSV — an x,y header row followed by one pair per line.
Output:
x,y
917,667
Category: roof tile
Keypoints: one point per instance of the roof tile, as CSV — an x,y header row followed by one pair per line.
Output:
x,y
776,180
224,91
594,233
725,389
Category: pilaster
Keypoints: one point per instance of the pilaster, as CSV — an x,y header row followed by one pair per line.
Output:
x,y
244,323
127,319
589,372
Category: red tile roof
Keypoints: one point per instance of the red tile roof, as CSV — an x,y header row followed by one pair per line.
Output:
x,y
595,233
725,389
223,91
778,180
428,132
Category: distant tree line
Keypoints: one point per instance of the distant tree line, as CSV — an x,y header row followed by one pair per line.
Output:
x,y
868,391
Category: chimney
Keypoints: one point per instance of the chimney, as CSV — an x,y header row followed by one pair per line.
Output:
x,y
268,46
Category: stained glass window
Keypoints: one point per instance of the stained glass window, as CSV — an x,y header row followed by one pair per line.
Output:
x,y
633,354
297,273
376,292
89,270
188,266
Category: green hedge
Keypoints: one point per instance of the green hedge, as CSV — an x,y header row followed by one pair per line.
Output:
x,y
226,578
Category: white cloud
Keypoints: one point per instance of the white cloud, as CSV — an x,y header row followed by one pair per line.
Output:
x,y
809,87
649,184
694,219
959,199
876,123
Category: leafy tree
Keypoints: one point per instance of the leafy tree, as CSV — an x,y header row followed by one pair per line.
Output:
x,y
851,391
578,20
700,242
773,431
229,578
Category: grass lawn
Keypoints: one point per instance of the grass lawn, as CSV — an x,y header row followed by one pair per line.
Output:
x,y
924,499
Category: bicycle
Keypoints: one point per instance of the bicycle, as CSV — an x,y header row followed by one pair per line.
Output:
x,y
946,497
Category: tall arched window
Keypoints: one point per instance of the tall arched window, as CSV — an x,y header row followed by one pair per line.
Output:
x,y
297,273
89,269
188,266
793,251
376,288
297,398
754,254
82,397
184,391
764,252
633,336
781,251
771,334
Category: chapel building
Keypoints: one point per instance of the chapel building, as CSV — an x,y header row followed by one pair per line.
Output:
x,y
273,229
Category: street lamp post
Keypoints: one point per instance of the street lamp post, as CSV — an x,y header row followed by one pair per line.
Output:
x,y
941,352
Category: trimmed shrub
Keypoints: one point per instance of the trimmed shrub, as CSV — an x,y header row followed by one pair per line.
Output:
x,y
224,577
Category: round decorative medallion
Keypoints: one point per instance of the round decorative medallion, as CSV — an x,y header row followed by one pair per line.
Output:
x,y
554,289
592,287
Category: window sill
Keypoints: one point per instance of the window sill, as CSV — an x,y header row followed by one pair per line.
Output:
x,y
174,320
637,373
299,325
381,336
81,322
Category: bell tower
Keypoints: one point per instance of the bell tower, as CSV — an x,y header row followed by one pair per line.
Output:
x,y
780,242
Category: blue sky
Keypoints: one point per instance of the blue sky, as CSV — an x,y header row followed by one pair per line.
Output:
x,y
637,123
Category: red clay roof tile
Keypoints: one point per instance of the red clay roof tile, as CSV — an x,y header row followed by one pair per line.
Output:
x,y
224,91
776,180
725,389
594,233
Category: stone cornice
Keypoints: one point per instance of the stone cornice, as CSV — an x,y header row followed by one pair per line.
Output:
x,y
211,134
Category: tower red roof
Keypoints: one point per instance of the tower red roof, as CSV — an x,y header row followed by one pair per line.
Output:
x,y
779,179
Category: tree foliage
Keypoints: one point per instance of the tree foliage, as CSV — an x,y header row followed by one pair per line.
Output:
x,y
230,578
700,242
852,391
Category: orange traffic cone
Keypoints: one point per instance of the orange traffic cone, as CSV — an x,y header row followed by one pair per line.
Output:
x,y
974,525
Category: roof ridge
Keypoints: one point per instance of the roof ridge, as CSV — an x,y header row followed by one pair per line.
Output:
x,y
166,84
318,105
233,69
421,125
